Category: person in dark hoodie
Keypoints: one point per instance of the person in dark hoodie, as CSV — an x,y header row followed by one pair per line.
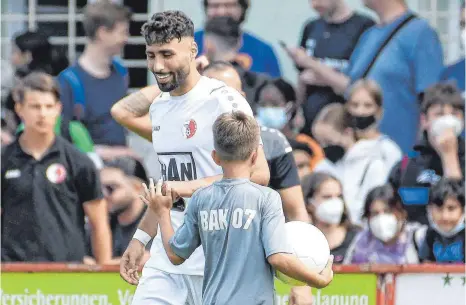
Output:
x,y
440,152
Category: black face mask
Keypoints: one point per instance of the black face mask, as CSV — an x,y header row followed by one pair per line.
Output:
x,y
334,152
362,122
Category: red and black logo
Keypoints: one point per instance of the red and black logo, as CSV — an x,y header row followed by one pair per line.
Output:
x,y
189,129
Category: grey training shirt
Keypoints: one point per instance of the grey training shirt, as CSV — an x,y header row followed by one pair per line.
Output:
x,y
239,224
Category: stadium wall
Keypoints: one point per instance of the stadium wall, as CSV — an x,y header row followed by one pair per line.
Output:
x,y
70,284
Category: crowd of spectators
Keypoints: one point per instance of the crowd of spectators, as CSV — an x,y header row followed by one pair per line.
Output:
x,y
375,124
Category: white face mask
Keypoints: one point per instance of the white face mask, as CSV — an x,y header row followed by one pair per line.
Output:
x,y
330,211
446,122
384,226
452,232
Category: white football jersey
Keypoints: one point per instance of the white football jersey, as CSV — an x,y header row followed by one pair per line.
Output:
x,y
183,141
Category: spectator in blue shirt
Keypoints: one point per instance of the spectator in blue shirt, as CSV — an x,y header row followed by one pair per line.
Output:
x,y
456,72
90,87
255,54
411,61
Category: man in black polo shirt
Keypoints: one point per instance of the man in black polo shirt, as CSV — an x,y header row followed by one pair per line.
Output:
x,y
48,186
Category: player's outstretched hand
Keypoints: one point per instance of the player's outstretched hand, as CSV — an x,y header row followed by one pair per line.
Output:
x,y
154,198
327,273
131,261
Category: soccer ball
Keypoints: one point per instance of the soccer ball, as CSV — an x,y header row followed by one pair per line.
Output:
x,y
309,245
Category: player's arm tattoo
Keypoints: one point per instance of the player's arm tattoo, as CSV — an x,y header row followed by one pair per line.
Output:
x,y
136,103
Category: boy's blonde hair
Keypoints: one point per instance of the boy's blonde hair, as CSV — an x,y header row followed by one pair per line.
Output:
x,y
236,136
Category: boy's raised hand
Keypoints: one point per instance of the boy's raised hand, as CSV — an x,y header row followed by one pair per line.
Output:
x,y
154,198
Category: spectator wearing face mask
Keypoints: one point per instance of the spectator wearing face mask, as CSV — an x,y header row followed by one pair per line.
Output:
x,y
324,203
365,107
277,107
445,239
255,54
357,163
222,42
456,71
440,152
388,239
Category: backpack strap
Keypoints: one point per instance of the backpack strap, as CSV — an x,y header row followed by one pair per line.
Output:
x,y
71,76
121,69
386,42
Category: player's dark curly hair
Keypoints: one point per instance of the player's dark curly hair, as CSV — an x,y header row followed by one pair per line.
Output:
x,y
165,26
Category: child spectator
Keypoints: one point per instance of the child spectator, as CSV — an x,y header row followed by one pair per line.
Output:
x,y
440,151
358,164
444,242
324,202
365,107
389,239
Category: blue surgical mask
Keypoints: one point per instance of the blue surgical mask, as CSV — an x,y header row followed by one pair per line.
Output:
x,y
452,232
272,117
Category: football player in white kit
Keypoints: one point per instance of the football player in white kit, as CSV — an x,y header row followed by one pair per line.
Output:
x,y
181,118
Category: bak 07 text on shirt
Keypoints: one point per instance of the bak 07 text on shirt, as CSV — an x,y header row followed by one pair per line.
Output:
x,y
215,220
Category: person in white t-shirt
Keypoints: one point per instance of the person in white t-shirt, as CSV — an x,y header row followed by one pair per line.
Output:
x,y
365,108
181,119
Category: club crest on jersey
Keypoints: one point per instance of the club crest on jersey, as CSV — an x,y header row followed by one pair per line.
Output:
x,y
189,129
56,173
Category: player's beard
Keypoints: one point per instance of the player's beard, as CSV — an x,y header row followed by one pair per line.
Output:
x,y
178,78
